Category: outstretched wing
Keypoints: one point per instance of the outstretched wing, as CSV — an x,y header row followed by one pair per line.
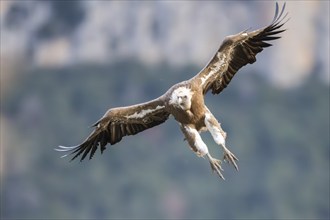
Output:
x,y
236,51
117,123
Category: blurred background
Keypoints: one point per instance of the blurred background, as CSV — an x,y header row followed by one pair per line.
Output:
x,y
64,63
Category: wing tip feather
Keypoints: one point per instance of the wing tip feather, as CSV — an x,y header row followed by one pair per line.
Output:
x,y
278,15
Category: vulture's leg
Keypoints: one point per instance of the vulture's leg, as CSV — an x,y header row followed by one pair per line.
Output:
x,y
199,147
219,137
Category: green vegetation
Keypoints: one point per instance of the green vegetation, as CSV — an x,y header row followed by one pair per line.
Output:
x,y
280,136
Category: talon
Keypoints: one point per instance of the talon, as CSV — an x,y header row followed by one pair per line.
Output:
x,y
215,166
231,158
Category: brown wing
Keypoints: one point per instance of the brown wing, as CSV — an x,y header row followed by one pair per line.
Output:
x,y
117,123
236,51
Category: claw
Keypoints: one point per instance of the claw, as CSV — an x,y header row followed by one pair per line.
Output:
x,y
231,158
216,166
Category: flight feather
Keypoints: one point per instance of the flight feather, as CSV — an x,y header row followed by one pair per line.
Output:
x,y
238,50
117,123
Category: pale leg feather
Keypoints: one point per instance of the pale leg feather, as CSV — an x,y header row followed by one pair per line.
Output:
x,y
219,137
199,147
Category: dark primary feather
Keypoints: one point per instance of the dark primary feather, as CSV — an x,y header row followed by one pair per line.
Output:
x,y
240,50
114,125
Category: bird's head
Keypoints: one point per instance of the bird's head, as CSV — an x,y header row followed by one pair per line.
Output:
x,y
181,98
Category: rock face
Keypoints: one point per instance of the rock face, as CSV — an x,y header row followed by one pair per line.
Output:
x,y
59,33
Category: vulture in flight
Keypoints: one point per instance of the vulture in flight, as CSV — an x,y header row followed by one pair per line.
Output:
x,y
185,100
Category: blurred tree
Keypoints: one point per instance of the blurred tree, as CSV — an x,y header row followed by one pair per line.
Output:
x,y
281,138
